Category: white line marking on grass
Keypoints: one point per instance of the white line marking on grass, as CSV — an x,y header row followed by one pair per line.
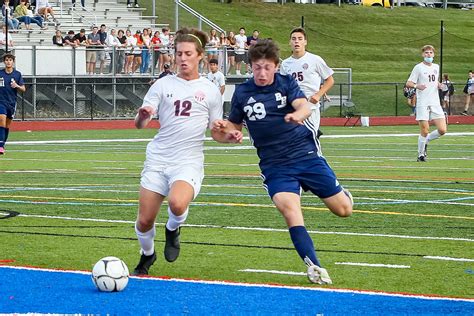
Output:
x,y
448,258
291,287
272,271
374,265
252,228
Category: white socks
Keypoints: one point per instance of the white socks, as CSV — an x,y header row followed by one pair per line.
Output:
x,y
146,240
421,145
175,221
432,136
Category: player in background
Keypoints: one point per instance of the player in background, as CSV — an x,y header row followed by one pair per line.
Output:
x,y
186,105
425,79
310,71
215,76
279,120
11,81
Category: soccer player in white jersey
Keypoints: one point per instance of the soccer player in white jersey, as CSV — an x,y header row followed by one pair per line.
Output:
x,y
186,106
424,78
308,70
278,118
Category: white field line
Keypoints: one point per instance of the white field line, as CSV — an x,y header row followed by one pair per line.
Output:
x,y
77,141
228,283
250,228
272,271
448,258
373,265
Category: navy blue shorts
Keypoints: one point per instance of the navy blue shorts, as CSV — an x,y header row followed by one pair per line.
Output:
x,y
313,175
7,110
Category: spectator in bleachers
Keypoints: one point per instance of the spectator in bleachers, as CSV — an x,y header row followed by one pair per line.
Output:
x,y
58,38
80,38
43,8
129,4
211,50
146,44
112,43
156,43
137,52
13,23
121,51
22,14
83,5
93,44
241,51
131,45
171,53
252,40
230,52
3,41
165,40
37,19
69,39
101,54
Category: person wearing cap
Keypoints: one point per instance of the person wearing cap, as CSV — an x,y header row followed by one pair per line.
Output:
x,y
215,76
11,81
69,39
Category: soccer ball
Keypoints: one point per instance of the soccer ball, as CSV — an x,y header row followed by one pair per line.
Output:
x,y
110,274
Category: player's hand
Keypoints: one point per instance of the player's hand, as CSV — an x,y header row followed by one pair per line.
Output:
x,y
421,87
294,118
145,112
314,99
219,125
13,84
234,136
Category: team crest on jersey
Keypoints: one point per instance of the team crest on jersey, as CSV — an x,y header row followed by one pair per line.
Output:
x,y
199,96
305,66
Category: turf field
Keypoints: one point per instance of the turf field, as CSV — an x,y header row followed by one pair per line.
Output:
x,y
69,198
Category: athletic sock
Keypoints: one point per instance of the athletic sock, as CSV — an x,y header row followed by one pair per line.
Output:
x,y
175,221
146,240
303,243
3,133
7,131
421,145
433,135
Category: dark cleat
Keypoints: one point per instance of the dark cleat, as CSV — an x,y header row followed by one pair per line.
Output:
x,y
421,159
144,265
172,244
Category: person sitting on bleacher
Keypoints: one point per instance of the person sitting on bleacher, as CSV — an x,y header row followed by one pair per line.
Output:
x,y
23,16
43,8
13,23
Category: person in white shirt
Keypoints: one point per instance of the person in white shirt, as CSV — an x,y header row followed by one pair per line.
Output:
x,y
112,43
3,41
43,8
215,76
186,104
241,51
309,71
424,78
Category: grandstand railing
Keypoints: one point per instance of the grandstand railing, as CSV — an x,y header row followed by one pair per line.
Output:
x,y
179,4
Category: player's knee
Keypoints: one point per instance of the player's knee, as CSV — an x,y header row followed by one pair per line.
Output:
x,y
177,206
144,224
442,131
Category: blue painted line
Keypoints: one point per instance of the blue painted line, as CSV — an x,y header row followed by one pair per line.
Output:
x,y
39,291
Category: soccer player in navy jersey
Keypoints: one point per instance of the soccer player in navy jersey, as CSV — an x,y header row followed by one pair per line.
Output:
x,y
10,82
278,118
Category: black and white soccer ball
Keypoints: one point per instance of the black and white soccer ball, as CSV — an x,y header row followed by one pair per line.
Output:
x,y
110,274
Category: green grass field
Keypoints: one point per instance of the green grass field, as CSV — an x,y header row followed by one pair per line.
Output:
x,y
77,201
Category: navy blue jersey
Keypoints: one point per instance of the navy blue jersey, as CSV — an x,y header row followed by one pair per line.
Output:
x,y
7,93
263,110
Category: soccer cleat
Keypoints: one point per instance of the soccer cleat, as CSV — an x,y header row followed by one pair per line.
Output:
x,y
317,274
464,113
172,244
349,195
2,151
421,159
144,265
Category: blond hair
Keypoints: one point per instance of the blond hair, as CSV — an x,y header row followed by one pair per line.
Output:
x,y
427,47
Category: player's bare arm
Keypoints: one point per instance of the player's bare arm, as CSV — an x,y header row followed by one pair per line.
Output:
x,y
144,116
224,131
303,111
328,83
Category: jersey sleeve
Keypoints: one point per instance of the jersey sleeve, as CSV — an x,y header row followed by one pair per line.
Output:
x,y
216,110
283,69
414,75
236,114
154,95
20,80
323,69
293,90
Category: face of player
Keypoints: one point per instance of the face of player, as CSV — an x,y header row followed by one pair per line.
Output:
x,y
187,59
9,63
263,72
428,56
298,43
213,67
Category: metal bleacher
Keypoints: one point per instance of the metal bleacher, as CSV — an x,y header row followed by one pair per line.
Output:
x,y
112,13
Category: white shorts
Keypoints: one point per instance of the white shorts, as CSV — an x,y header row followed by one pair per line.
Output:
x,y
427,113
159,180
